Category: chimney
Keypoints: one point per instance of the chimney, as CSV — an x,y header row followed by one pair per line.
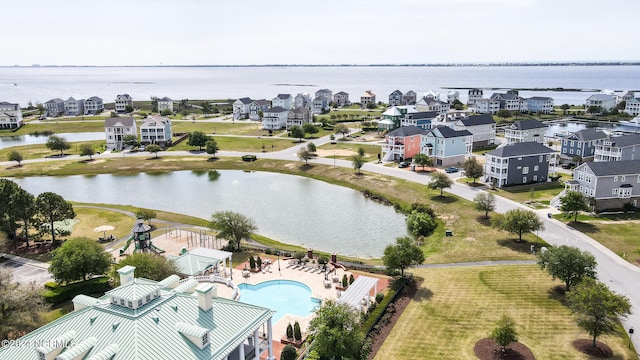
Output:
x,y
206,293
126,274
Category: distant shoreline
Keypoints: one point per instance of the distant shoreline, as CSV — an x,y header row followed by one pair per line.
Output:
x,y
498,64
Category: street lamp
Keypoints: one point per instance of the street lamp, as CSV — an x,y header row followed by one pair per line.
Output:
x,y
278,255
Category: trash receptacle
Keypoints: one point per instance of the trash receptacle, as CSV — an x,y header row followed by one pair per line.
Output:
x,y
549,215
413,167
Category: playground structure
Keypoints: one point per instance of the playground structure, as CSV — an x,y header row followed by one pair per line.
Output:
x,y
141,238
172,241
199,238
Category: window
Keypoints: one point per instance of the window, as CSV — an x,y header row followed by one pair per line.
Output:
x,y
122,302
525,170
148,297
572,142
570,151
524,179
591,192
130,304
535,168
614,191
622,178
139,302
577,152
535,177
615,178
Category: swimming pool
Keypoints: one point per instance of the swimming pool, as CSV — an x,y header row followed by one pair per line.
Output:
x,y
283,296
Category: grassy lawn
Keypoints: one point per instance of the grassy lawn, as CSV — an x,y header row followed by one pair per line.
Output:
x,y
535,192
227,128
248,144
91,218
39,151
340,147
60,127
456,307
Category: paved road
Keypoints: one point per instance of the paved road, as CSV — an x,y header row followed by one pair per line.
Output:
x,y
26,271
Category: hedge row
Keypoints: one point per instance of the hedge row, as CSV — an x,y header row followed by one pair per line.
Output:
x,y
63,293
380,310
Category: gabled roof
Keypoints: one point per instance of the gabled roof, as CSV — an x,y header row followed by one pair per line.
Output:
x,y
155,121
323,91
422,115
601,97
410,93
277,109
478,120
529,148
587,135
505,96
396,92
245,100
55,101
262,102
342,93
541,98
527,124
165,99
283,96
119,121
623,167
405,131
625,140
392,111
447,132
94,98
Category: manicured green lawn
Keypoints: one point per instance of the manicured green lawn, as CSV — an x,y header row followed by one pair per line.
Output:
x,y
245,127
340,147
535,192
40,151
248,144
456,307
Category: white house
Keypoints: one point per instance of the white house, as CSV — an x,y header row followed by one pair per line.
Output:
x,y
241,108
116,129
93,106
122,101
632,107
431,104
603,101
453,96
540,104
165,104
482,127
156,130
10,116
325,93
275,118
474,96
282,100
487,106
525,131
73,107
510,101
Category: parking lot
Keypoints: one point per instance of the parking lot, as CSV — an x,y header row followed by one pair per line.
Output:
x,y
25,273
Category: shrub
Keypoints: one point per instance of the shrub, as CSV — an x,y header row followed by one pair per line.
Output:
x,y
423,209
259,263
63,293
322,260
345,281
252,262
297,335
289,331
51,285
351,279
288,353
298,255
379,297
268,251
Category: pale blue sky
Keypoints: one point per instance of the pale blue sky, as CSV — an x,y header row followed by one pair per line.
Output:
x,y
219,32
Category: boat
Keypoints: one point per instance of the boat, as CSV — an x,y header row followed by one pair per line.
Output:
x,y
635,122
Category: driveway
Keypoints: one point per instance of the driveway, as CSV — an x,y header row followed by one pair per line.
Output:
x,y
26,271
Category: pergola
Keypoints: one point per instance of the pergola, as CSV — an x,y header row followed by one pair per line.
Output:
x,y
222,256
357,294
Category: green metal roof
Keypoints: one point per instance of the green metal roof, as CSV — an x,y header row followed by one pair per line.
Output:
x,y
191,264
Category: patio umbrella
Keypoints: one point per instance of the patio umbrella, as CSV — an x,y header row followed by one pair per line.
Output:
x,y
104,229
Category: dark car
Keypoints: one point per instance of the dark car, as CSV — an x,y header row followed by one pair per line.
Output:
x,y
451,170
403,164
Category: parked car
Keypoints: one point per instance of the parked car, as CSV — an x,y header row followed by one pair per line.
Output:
x,y
403,164
451,170
249,157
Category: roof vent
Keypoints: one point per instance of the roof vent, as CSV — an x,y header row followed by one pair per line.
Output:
x,y
78,351
197,335
115,326
106,354
56,346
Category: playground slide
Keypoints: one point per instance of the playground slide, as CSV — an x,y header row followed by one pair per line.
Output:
x,y
156,250
126,245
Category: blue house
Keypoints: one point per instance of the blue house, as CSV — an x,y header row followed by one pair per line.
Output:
x,y
581,143
447,146
421,119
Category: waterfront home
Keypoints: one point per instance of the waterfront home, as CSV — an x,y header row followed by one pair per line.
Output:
x,y
325,93
145,319
446,146
302,100
367,98
257,108
510,101
341,98
395,98
487,106
525,131
540,104
409,98
625,147
421,119
116,129
73,107
122,101
602,101
320,105
165,104
431,96
241,108
275,118
482,127
625,96
519,163
156,130
395,114
282,100
298,116
632,107
93,106
582,144
429,103
402,143
10,116
474,96
54,107
453,96
610,183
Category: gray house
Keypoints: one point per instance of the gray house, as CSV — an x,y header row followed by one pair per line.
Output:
x,y
625,147
518,163
613,183
581,143
483,128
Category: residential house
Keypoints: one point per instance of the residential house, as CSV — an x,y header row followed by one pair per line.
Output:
x,y
367,98
487,106
282,100
320,105
54,107
453,96
116,129
603,101
146,319
540,104
73,107
275,118
431,95
519,163
482,127
165,104
156,130
525,131
447,146
429,103
474,96
421,119
241,108
617,148
510,101
325,93
394,114
582,144
341,98
632,107
625,96
395,98
409,98
302,100
93,106
298,116
122,101
402,143
10,116
258,107
610,183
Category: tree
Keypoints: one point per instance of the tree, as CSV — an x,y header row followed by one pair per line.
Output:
x,y
503,113
296,132
597,308
505,332
568,264
197,138
297,334
358,162
305,154
361,151
149,266
79,259
87,150
211,147
420,223
594,109
311,147
486,202
130,140
572,203
440,181
232,226
20,307
341,129
51,208
402,254
473,169
517,221
24,211
146,214
154,149
564,108
154,104
289,353
206,107
8,218
336,332
308,128
15,156
422,160
128,109
57,143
